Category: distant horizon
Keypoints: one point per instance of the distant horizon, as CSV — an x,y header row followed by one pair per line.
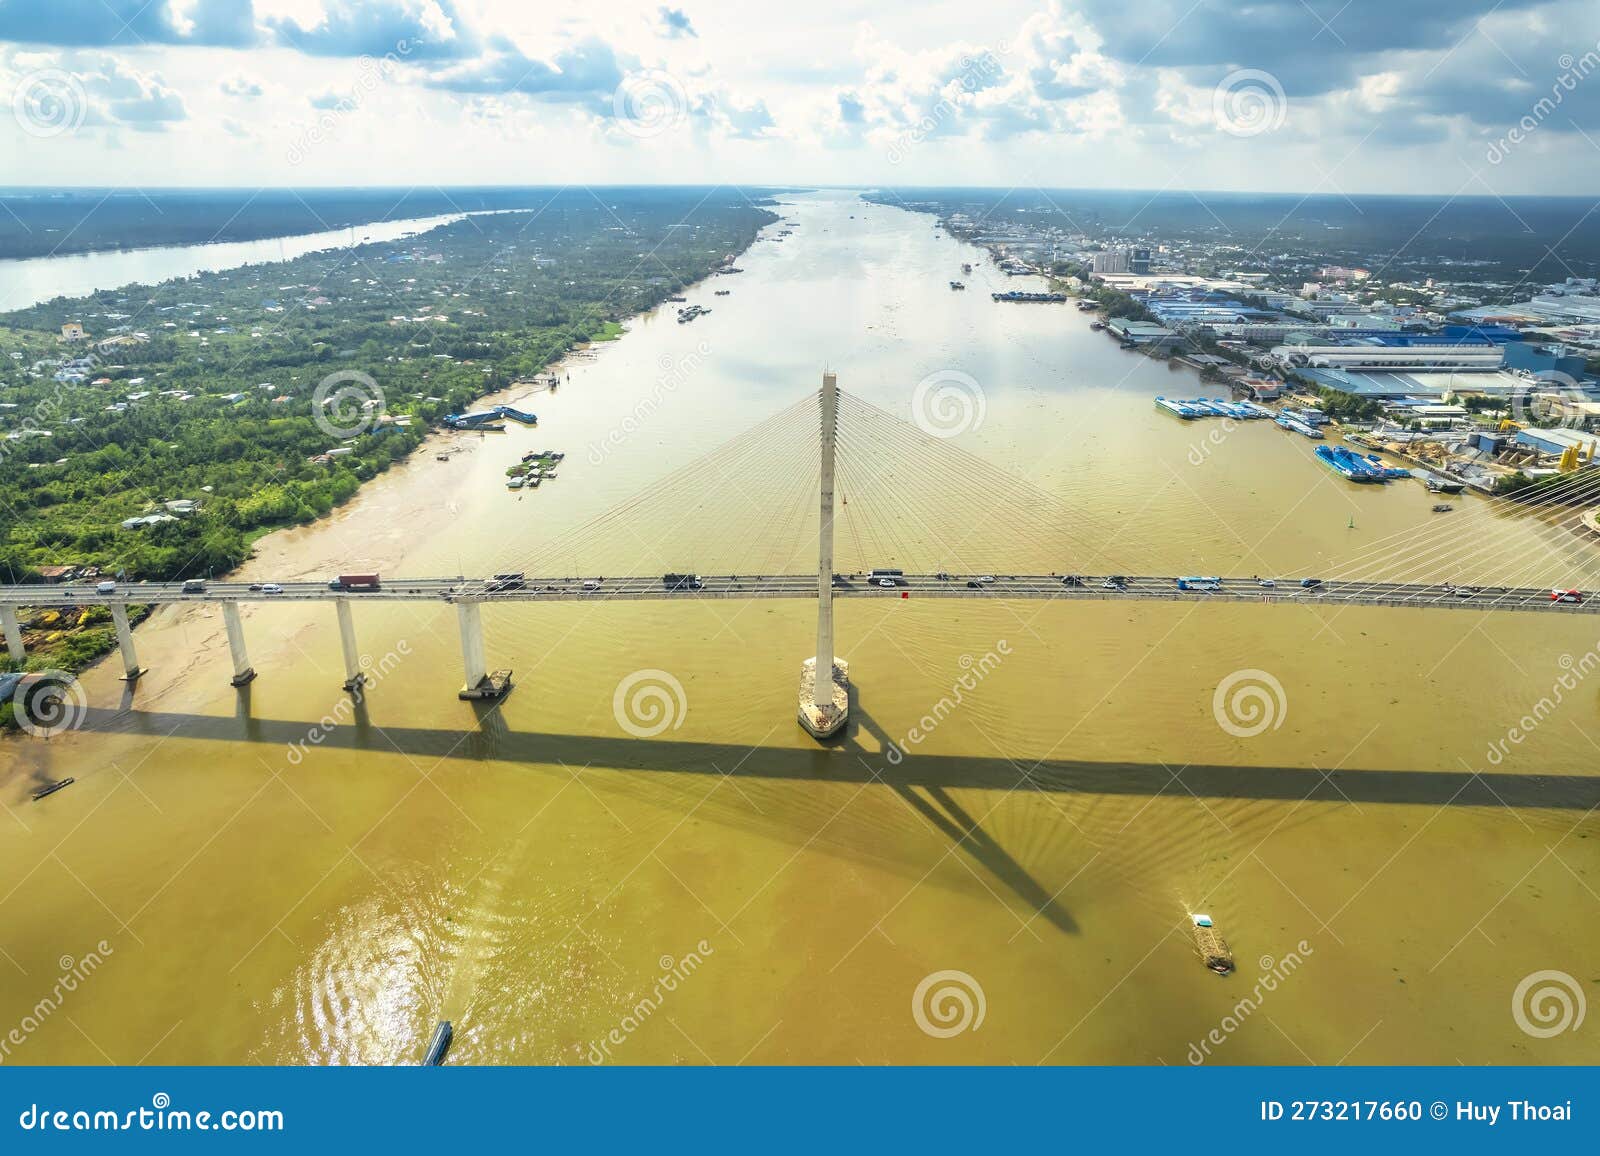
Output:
x,y
786,187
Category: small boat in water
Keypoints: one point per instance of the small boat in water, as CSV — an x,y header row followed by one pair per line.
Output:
x,y
1214,950
51,788
438,1045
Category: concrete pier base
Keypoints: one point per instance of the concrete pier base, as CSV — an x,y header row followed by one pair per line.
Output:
x,y
243,672
131,670
8,618
826,718
353,678
475,665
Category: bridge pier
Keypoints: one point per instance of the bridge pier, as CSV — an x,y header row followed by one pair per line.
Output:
x,y
243,672
353,678
475,666
8,619
130,657
824,704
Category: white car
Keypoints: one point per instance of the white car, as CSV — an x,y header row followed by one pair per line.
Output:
x,y
886,583
106,588
985,578
1267,583
271,588
591,584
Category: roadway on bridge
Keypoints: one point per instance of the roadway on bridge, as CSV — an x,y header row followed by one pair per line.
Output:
x,y
745,586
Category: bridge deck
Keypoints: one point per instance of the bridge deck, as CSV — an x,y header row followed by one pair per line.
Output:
x,y
800,586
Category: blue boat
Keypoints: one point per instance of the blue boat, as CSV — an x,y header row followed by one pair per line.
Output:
x,y
1297,426
1182,409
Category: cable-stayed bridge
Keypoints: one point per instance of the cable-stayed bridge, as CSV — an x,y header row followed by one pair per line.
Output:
x,y
909,515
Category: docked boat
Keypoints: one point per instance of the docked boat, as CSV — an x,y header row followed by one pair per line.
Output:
x,y
1214,950
1295,425
1349,465
1018,295
494,685
516,483
1186,412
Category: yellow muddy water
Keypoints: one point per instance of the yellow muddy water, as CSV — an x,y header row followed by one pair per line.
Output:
x,y
246,889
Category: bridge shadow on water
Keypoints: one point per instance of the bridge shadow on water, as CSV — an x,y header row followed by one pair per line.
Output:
x,y
493,740
924,781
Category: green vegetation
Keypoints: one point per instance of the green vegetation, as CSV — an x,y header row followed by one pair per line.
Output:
x,y
242,391
1342,406
1118,304
1561,489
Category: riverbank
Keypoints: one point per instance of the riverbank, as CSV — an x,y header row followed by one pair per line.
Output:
x,y
311,489
522,871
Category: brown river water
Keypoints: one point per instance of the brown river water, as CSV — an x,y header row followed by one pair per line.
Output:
x,y
222,887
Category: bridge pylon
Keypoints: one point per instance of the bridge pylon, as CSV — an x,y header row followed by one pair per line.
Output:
x,y
825,697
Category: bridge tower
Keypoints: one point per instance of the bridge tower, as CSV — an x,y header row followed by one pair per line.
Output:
x,y
825,700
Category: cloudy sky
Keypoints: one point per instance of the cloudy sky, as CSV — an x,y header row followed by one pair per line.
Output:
x,y
1448,96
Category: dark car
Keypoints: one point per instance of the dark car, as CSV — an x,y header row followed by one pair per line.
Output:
x,y
1310,583
1072,580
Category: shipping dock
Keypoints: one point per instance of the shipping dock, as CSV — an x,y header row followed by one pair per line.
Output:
x,y
1017,295
1295,425
1191,408
1437,484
